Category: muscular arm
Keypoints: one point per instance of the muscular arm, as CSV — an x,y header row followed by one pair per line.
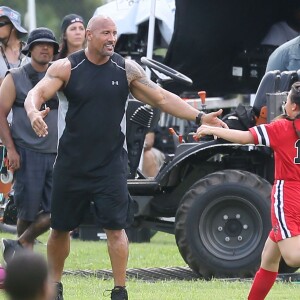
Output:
x,y
56,77
232,135
148,92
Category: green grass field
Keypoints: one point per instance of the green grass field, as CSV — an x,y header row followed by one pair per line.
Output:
x,y
160,252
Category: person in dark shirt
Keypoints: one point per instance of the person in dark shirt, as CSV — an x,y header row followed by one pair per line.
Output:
x,y
91,163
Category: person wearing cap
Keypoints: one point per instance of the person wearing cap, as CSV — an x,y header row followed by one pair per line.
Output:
x,y
30,157
72,35
11,44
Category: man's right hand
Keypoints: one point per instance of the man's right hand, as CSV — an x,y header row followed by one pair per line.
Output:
x,y
37,121
13,159
212,119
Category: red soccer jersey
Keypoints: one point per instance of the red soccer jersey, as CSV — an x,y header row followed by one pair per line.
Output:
x,y
280,135
285,209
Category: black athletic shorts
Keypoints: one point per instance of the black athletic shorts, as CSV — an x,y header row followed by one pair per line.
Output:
x,y
73,197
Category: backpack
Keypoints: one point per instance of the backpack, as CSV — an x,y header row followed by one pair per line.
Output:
x,y
242,118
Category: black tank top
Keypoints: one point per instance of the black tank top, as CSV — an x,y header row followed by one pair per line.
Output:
x,y
92,142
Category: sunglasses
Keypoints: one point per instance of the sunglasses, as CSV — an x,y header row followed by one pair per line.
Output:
x,y
4,23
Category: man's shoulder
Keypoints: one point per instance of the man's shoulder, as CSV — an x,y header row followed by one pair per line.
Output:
x,y
63,63
75,58
286,50
132,64
295,42
19,70
118,59
117,56
79,53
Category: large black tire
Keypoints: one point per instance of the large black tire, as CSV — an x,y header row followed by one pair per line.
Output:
x,y
223,222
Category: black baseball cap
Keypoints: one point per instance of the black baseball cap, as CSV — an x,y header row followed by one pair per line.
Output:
x,y
70,19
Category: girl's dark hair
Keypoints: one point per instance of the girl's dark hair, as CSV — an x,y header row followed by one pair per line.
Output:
x,y
295,93
295,98
63,49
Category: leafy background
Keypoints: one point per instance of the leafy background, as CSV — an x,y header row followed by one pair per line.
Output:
x,y
50,13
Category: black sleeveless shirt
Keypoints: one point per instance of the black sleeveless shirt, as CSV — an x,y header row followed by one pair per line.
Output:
x,y
92,142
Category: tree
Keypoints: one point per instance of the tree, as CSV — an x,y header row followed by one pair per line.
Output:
x,y
50,13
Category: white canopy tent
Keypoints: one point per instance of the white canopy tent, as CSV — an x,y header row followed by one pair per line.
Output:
x,y
129,14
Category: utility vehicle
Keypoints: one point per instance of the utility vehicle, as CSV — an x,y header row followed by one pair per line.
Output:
x,y
212,194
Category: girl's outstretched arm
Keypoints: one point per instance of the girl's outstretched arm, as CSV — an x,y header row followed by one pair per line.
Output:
x,y
232,135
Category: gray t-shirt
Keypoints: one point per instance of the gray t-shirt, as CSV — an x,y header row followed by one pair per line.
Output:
x,y
286,57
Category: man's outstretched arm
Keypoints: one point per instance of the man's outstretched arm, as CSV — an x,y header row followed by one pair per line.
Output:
x,y
143,89
55,77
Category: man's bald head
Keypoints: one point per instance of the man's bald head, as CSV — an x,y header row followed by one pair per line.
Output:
x,y
97,21
101,36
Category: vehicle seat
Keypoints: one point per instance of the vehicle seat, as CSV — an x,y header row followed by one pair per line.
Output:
x,y
270,83
287,78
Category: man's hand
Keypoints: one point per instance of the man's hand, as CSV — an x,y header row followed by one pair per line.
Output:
x,y
213,120
13,159
37,121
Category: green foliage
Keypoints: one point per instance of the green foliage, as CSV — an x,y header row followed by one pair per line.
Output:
x,y
160,252
50,13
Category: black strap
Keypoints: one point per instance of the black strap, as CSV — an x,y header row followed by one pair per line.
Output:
x,y
6,60
32,74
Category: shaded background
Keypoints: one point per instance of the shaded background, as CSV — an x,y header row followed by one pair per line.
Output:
x,y
50,13
210,36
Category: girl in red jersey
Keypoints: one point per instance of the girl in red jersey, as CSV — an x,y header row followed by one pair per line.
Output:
x,y
283,136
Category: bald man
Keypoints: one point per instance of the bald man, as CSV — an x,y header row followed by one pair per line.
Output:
x,y
91,164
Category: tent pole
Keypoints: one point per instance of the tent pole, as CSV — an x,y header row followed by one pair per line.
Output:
x,y
151,29
31,14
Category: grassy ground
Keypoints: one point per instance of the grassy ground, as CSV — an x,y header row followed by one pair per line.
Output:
x,y
161,252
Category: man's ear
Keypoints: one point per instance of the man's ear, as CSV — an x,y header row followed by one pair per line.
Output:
x,y
88,35
295,106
